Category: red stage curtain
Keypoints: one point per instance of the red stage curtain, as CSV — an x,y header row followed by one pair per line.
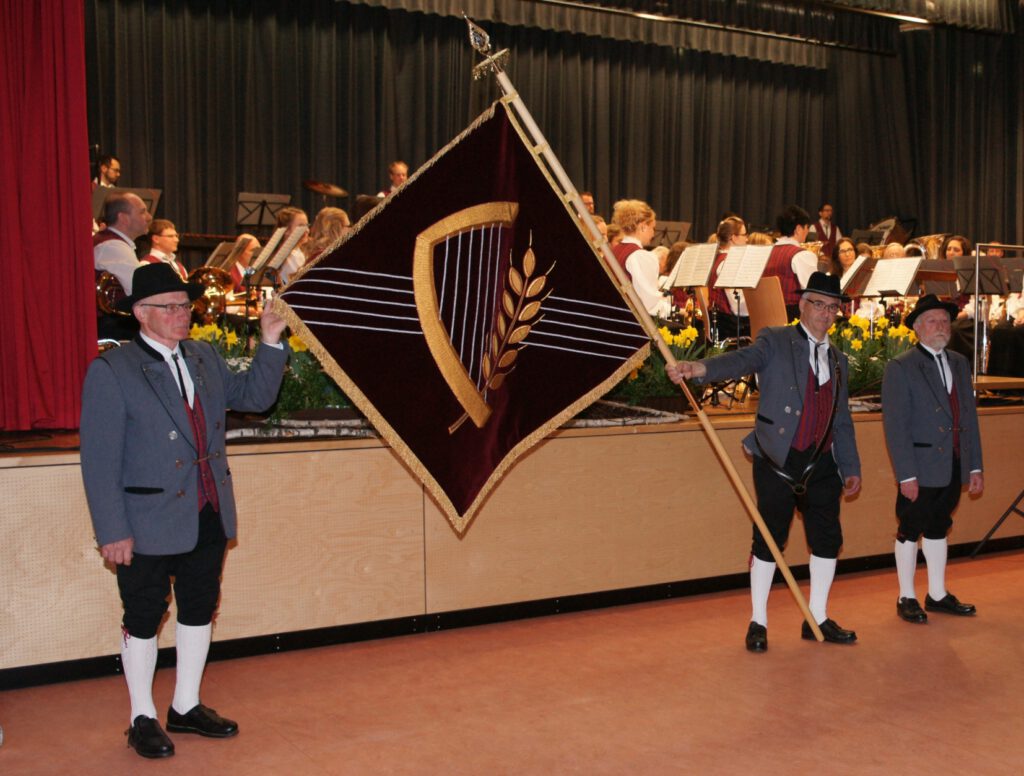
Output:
x,y
47,314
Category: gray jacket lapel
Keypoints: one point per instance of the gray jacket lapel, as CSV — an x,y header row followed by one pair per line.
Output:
x,y
800,356
930,374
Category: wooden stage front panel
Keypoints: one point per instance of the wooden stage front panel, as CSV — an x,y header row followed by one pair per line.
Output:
x,y
337,533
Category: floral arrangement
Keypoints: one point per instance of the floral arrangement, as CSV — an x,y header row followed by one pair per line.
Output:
x,y
650,380
869,349
305,384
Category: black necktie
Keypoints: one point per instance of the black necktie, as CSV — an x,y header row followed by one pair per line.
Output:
x,y
939,359
181,377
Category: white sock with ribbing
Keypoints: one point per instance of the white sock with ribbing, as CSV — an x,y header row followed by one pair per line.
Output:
x,y
823,571
906,567
138,659
193,646
761,575
935,552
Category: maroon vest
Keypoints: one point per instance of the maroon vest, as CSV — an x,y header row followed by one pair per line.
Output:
x,y
717,298
207,483
815,416
780,265
622,252
176,264
827,245
106,235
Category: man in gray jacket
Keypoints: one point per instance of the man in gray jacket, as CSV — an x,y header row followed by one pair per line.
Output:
x,y
803,445
931,430
159,487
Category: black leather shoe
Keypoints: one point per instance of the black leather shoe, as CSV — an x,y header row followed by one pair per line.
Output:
x,y
949,605
831,631
757,638
910,610
148,739
202,720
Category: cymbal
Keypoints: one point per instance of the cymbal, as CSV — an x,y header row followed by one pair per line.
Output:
x,y
327,189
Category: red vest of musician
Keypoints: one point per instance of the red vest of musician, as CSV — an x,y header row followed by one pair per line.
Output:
x,y
780,264
717,299
622,252
828,244
106,235
178,267
237,279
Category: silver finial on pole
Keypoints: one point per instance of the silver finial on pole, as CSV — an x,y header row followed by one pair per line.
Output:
x,y
481,43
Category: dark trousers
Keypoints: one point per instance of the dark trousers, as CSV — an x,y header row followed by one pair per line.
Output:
x,y
931,514
145,585
819,505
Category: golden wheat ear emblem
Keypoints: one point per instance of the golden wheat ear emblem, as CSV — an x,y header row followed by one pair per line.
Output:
x,y
521,301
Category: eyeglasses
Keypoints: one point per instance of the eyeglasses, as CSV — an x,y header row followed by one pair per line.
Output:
x,y
172,307
175,235
822,306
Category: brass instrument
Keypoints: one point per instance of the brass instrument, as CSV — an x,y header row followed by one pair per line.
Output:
x,y
108,293
218,285
931,244
813,247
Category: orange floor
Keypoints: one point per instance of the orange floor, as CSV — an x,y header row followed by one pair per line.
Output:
x,y
660,688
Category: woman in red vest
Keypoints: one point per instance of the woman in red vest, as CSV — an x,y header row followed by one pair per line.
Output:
x,y
643,267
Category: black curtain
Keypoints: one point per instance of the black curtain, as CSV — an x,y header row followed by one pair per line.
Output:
x,y
205,100
964,100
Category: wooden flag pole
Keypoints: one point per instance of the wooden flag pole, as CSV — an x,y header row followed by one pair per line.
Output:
x,y
542,149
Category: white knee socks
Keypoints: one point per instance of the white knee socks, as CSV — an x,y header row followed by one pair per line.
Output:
x,y
193,646
138,658
761,575
935,551
906,565
823,571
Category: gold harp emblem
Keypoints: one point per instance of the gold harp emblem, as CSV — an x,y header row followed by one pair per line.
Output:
x,y
476,325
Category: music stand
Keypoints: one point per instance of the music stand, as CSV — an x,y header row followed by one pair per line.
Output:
x,y
869,236
992,277
220,255
256,209
856,277
151,198
668,232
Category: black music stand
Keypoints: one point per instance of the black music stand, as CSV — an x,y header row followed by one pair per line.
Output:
x,y
256,209
1014,507
669,232
151,197
992,277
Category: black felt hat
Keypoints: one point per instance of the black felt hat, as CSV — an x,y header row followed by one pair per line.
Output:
x,y
828,285
157,278
931,302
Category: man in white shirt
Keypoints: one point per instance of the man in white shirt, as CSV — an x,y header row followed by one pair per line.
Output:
x,y
127,217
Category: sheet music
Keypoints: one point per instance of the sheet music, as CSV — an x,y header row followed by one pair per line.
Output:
x,y
694,265
851,272
892,275
287,247
268,249
743,266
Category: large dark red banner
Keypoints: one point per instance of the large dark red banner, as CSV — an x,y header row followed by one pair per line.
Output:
x,y
468,316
